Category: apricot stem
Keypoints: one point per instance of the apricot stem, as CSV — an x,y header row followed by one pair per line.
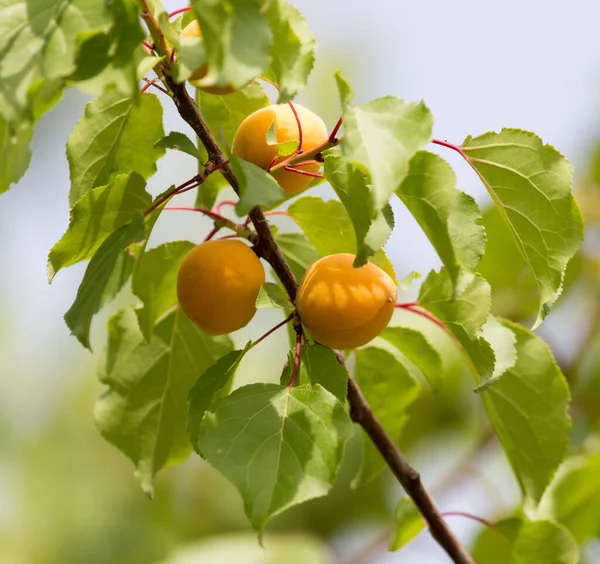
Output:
x,y
448,145
219,220
296,369
273,161
293,108
336,128
222,204
481,520
193,182
303,172
415,308
276,212
152,83
212,233
180,11
272,330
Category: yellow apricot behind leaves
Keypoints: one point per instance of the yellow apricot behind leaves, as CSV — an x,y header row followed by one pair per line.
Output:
x,y
250,141
193,30
217,285
345,307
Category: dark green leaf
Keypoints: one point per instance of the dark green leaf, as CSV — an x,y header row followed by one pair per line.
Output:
x,y
531,184
390,390
408,523
257,186
273,295
293,48
324,369
279,446
105,275
298,251
417,349
116,135
528,408
143,410
95,216
237,39
179,142
155,282
447,216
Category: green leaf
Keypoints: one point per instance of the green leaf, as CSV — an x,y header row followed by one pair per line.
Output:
x,y
381,260
105,275
345,90
155,282
381,137
531,185
526,542
372,228
216,378
273,295
116,135
405,283
572,498
464,310
38,46
528,408
279,446
293,49
95,216
14,153
447,216
413,345
224,114
298,251
284,148
326,224
143,410
390,390
324,369
180,142
257,186
237,39
408,523
191,55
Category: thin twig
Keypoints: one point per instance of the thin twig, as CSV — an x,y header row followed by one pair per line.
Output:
x,y
272,330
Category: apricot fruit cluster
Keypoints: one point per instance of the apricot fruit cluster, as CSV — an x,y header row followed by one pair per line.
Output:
x,y
218,283
345,307
250,141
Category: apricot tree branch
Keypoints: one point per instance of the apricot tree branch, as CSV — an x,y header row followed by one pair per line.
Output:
x,y
267,247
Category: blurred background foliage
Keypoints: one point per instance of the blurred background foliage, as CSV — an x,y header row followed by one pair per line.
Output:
x,y
67,497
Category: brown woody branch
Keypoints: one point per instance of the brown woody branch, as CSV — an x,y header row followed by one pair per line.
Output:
x,y
268,248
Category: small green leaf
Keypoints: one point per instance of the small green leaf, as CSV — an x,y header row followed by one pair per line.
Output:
x,y
514,541
405,283
413,345
237,39
284,148
298,251
279,446
372,227
180,142
105,275
257,186
143,410
572,498
531,184
116,135
293,49
408,523
273,295
145,65
381,137
448,217
212,381
14,153
95,216
390,390
324,369
528,408
191,56
155,282
381,260
345,90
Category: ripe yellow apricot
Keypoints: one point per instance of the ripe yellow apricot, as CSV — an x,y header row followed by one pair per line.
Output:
x,y
217,285
250,142
345,307
193,30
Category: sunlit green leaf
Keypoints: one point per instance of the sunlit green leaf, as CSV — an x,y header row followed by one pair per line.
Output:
x,y
273,295
95,216
447,216
257,186
345,90
116,135
280,446
408,523
14,153
293,48
237,39
390,390
143,410
531,184
528,408
105,275
155,281
180,142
